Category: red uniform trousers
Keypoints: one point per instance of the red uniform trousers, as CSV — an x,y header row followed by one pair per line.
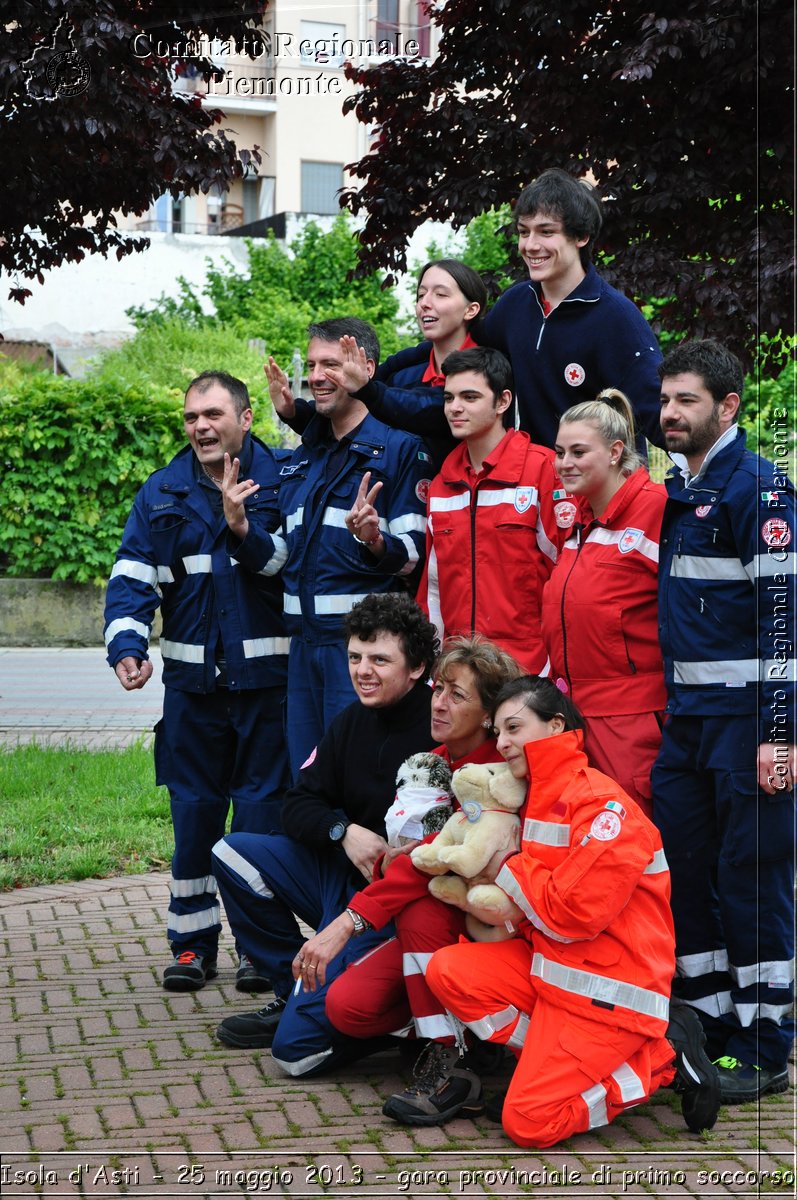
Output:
x,y
573,1073
385,992
625,748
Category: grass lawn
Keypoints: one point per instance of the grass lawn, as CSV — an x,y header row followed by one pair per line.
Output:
x,y
69,814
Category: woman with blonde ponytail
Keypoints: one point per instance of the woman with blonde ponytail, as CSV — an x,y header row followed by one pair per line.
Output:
x,y
599,615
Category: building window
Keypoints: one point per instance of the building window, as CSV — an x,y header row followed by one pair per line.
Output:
x,y
321,44
423,30
387,21
320,185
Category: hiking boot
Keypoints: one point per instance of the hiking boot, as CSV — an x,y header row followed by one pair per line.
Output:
x,y
696,1078
484,1058
252,1031
189,972
740,1081
248,978
439,1090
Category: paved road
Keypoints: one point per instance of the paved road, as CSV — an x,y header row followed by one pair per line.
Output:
x,y
53,696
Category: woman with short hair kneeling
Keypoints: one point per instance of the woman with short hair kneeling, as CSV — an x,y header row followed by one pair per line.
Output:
x,y
582,994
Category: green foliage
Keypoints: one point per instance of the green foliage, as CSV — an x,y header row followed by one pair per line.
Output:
x,y
167,353
284,290
768,415
74,454
490,246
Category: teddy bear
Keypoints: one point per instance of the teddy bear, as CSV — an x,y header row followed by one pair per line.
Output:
x,y
487,827
423,799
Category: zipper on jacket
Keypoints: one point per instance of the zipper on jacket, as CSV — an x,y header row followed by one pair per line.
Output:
x,y
474,499
578,530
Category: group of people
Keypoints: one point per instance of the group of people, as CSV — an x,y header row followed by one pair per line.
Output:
x,y
624,647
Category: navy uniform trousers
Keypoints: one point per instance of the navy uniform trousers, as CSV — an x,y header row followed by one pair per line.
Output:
x,y
730,849
263,882
212,750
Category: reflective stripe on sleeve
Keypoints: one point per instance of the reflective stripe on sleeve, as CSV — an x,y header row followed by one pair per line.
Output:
x,y
493,1023
131,568
507,882
126,625
601,988
547,833
658,866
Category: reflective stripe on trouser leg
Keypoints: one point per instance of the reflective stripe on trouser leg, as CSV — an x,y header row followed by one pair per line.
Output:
x,y
423,927
576,1074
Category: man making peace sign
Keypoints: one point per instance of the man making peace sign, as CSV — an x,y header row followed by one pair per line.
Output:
x,y
324,498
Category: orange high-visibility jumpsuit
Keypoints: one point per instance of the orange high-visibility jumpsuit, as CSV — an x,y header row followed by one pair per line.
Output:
x,y
581,995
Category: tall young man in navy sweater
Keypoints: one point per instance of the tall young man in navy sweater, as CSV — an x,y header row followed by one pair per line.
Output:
x,y
567,333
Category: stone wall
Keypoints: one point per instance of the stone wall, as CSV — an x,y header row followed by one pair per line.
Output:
x,y
45,612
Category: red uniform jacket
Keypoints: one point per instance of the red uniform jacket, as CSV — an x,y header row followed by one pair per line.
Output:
x,y
593,882
491,542
599,607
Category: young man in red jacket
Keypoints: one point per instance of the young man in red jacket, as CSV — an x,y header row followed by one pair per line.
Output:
x,y
497,516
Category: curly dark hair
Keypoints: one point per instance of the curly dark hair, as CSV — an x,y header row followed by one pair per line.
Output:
x,y
396,612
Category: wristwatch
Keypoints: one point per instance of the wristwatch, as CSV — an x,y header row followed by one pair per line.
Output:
x,y
360,924
338,831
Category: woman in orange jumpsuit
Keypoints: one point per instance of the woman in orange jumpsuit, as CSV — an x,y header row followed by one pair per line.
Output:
x,y
581,995
599,609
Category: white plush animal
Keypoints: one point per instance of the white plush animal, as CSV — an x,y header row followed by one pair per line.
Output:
x,y
423,799
486,829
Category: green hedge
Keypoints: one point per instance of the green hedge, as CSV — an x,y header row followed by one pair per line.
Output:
x,y
74,454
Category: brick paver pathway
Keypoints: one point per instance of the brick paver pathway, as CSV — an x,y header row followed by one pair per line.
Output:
x,y
111,1086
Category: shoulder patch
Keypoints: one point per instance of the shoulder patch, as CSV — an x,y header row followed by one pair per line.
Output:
x,y
422,489
606,826
564,513
776,532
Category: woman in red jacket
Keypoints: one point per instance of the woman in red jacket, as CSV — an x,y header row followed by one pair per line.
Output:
x,y
581,994
599,609
385,992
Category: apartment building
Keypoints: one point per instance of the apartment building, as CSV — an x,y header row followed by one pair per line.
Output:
x,y
287,100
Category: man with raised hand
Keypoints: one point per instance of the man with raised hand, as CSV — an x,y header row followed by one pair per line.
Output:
x,y
327,570
197,545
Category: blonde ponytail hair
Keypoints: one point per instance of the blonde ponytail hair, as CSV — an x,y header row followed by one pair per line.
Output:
x,y
611,414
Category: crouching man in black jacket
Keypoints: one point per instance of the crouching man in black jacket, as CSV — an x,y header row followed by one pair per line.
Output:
x,y
334,822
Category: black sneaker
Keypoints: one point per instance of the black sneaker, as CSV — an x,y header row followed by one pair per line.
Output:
x,y
439,1091
696,1078
189,972
252,1031
740,1082
249,979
